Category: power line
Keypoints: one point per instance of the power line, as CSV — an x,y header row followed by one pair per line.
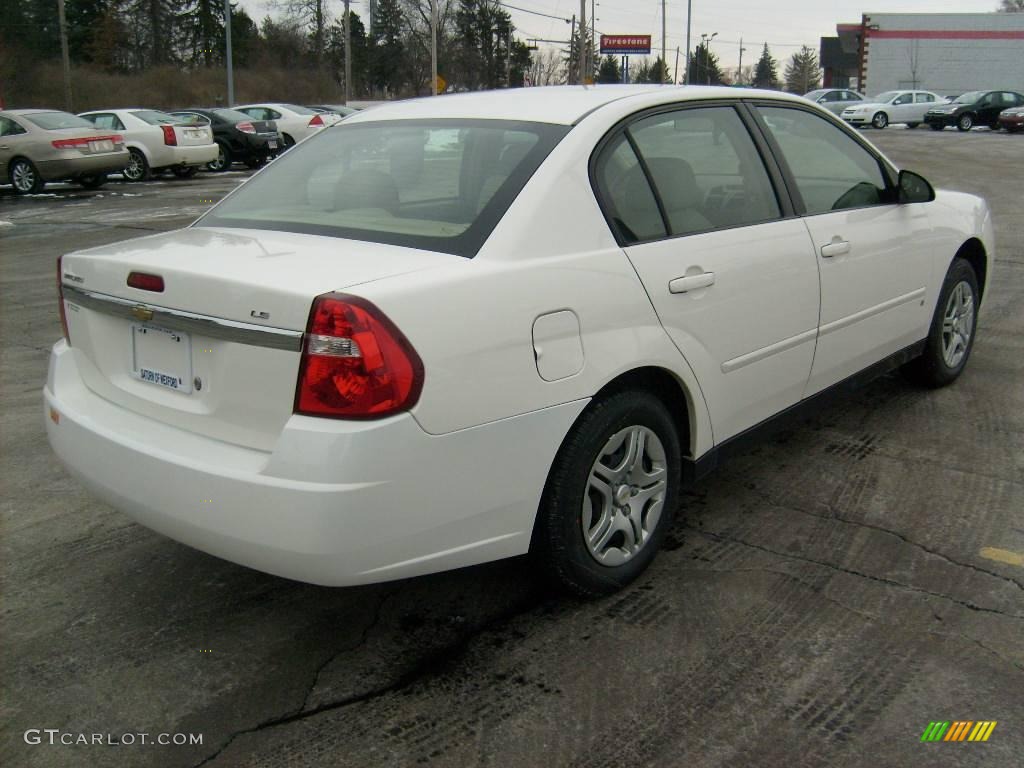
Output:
x,y
535,13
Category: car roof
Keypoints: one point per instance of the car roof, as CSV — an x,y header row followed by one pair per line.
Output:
x,y
560,104
31,111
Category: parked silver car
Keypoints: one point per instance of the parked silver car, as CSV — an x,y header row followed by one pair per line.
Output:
x,y
39,145
906,107
835,100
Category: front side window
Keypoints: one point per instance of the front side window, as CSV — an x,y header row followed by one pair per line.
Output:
x,y
439,185
924,98
832,170
705,169
903,98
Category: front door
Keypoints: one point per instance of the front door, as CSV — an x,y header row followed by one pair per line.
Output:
x,y
874,255
734,283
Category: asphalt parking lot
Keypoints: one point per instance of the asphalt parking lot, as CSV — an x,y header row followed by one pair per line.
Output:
x,y
821,599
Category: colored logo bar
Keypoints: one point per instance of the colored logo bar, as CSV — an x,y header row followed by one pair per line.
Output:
x,y
959,730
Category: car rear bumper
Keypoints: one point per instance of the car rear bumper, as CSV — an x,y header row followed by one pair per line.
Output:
x,y
186,156
85,165
334,503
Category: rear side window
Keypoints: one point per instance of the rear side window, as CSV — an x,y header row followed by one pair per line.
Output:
x,y
831,169
439,185
10,128
628,199
107,121
705,169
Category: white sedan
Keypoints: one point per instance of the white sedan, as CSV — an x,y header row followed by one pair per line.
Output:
x,y
906,107
294,122
157,141
458,329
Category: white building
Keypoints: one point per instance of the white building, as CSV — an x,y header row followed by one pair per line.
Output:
x,y
948,53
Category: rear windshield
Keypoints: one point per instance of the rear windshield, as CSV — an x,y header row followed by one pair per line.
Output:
x,y
156,118
57,121
231,115
439,185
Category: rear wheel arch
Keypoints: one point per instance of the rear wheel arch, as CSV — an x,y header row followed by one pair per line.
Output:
x,y
664,385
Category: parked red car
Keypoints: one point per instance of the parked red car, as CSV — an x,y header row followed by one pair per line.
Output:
x,y
1012,119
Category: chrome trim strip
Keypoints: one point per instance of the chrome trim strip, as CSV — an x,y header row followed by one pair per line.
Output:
x,y
213,327
864,314
772,349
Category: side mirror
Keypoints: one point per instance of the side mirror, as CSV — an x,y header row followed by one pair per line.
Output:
x,y
914,188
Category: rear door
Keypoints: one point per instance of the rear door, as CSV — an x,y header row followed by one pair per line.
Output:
x,y
874,255
923,101
12,136
733,280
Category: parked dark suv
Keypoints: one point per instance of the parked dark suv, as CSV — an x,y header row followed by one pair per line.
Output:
x,y
973,108
239,137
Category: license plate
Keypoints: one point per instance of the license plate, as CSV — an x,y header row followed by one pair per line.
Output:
x,y
195,133
162,356
272,144
101,146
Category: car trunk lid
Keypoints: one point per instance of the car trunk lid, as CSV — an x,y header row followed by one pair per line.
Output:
x,y
217,350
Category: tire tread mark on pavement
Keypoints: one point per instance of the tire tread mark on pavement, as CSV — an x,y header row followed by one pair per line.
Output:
x,y
832,566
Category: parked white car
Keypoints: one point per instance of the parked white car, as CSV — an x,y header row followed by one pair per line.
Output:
x,y
906,107
294,122
457,329
157,141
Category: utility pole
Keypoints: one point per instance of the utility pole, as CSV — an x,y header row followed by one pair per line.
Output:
x,y
65,57
675,73
689,8
584,71
433,47
573,68
348,54
739,71
664,58
227,53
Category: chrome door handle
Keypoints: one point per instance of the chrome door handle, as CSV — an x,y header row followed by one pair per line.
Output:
x,y
691,283
4,147
836,248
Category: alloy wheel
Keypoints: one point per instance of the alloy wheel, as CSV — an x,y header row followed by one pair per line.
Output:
x,y
880,120
23,176
136,167
965,123
624,496
957,324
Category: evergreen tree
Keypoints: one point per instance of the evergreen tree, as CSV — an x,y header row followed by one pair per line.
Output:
x,y
388,47
803,73
360,53
202,24
658,73
154,31
766,72
704,67
609,71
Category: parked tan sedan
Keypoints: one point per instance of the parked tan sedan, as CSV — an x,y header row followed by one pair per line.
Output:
x,y
39,145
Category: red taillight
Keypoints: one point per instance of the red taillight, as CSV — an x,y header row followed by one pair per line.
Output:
x,y
246,127
170,138
84,141
146,282
355,363
60,299
316,122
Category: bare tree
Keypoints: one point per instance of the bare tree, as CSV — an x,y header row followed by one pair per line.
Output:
x,y
913,58
1012,6
547,67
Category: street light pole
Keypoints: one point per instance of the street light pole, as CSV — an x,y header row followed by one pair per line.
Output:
x,y
583,43
739,71
433,47
664,59
689,9
227,53
65,57
348,53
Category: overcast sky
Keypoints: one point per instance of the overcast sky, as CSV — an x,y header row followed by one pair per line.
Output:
x,y
783,24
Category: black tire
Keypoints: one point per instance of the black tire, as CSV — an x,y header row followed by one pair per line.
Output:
x,y
25,177
137,168
558,538
937,126
965,122
185,173
223,161
94,181
255,163
880,120
912,126
287,142
932,369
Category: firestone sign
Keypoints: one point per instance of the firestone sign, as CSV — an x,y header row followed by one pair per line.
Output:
x,y
625,45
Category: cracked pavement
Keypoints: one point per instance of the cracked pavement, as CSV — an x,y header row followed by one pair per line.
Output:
x,y
819,600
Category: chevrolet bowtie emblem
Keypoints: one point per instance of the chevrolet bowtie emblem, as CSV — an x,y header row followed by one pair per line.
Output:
x,y
140,312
